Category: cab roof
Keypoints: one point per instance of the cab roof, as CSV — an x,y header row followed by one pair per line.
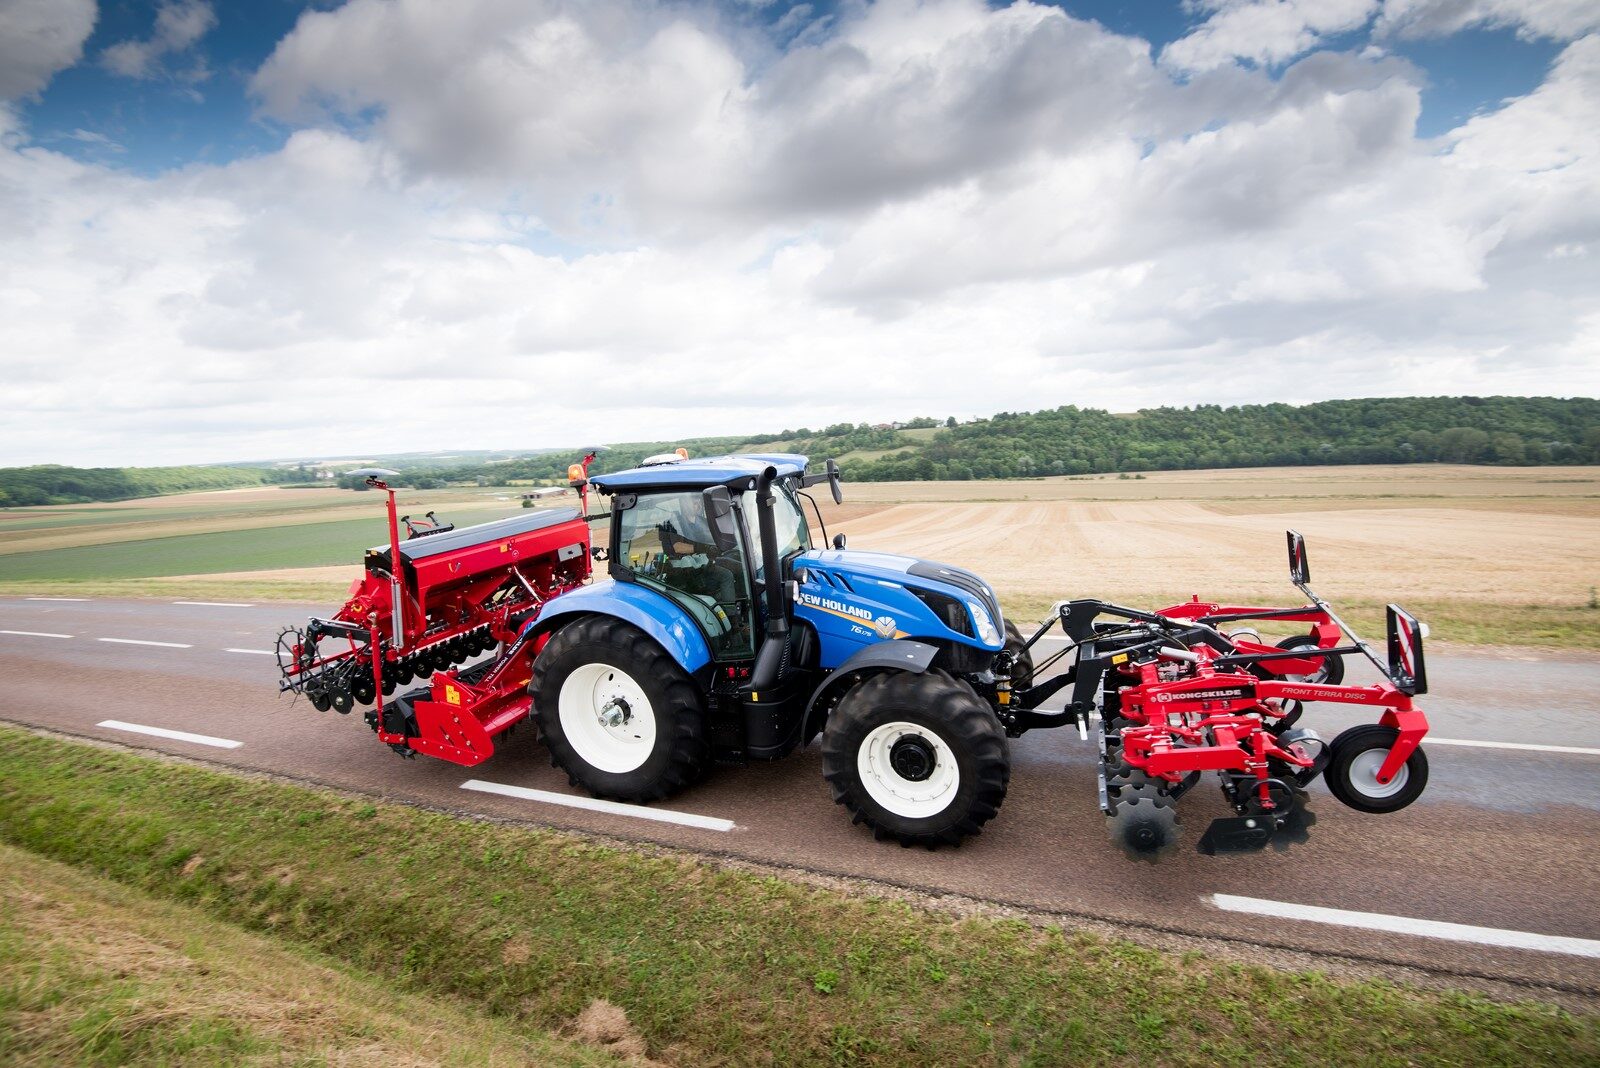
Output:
x,y
700,472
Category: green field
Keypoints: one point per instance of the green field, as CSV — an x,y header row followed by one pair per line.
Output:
x,y
714,966
309,544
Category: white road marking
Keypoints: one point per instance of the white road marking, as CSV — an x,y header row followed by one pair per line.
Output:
x,y
55,598
1529,746
1374,921
177,736
613,808
35,634
140,641
252,652
216,604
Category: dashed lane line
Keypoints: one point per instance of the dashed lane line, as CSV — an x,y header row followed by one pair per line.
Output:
x,y
141,641
162,732
1407,925
612,808
35,634
55,598
250,652
216,604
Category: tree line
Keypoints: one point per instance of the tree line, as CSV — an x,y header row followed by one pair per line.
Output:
x,y
1076,441
1060,441
54,484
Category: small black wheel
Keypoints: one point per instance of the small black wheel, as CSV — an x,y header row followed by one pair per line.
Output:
x,y
1330,674
1021,657
619,715
918,758
1352,772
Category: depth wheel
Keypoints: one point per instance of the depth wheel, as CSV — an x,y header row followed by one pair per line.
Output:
x,y
1352,773
1330,674
619,715
917,758
1021,657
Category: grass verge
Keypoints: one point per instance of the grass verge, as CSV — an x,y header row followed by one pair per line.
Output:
x,y
715,967
92,972
1460,622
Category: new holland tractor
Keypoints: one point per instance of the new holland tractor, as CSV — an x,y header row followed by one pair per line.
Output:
x,y
724,635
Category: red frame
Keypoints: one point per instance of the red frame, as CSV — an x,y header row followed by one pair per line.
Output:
x,y
1215,720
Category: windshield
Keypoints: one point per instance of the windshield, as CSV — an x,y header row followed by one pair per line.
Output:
x,y
794,535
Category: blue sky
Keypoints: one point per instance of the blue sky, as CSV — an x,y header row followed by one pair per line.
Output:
x,y
168,120
233,230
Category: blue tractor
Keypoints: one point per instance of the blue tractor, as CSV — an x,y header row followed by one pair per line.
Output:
x,y
724,634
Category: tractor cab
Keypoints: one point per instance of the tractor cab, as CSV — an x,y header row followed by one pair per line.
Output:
x,y
692,532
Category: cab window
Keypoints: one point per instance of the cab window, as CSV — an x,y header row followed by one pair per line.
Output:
x,y
665,542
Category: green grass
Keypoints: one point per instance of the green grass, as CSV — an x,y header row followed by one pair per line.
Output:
x,y
93,973
1574,626
259,549
715,966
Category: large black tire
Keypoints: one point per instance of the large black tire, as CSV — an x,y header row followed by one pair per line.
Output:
x,y
1352,771
600,667
1022,657
1332,673
917,758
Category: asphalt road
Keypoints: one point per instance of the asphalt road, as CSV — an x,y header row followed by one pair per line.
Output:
x,y
1503,841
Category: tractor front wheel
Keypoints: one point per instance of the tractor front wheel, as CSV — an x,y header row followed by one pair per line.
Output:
x,y
918,758
619,715
1021,657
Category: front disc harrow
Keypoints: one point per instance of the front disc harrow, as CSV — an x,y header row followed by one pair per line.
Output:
x,y
1143,823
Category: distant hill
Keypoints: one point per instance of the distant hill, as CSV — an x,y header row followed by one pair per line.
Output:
x,y
1058,441
53,484
1071,440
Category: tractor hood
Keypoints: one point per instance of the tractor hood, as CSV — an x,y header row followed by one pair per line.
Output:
x,y
866,595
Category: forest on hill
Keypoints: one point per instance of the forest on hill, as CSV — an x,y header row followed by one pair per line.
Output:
x,y
1073,441
54,484
1058,441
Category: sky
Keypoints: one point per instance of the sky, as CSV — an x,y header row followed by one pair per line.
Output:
x,y
239,230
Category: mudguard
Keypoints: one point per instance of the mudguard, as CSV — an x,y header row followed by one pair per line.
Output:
x,y
897,655
652,613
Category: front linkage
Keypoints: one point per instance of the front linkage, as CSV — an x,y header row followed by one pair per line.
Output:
x,y
1170,698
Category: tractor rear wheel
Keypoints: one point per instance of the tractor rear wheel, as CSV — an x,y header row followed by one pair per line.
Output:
x,y
619,715
1021,657
918,758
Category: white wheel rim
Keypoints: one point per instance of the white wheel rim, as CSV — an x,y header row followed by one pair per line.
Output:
x,y
910,798
607,718
1364,775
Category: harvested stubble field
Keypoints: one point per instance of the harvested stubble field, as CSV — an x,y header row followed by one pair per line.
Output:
x,y
1487,554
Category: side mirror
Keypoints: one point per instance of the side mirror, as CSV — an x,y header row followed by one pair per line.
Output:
x,y
1299,565
833,482
838,541
719,517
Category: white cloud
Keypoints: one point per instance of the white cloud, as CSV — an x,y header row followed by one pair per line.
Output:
x,y
1562,20
178,28
540,225
1263,32
39,38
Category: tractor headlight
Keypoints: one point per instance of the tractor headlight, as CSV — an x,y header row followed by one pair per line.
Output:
x,y
984,623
